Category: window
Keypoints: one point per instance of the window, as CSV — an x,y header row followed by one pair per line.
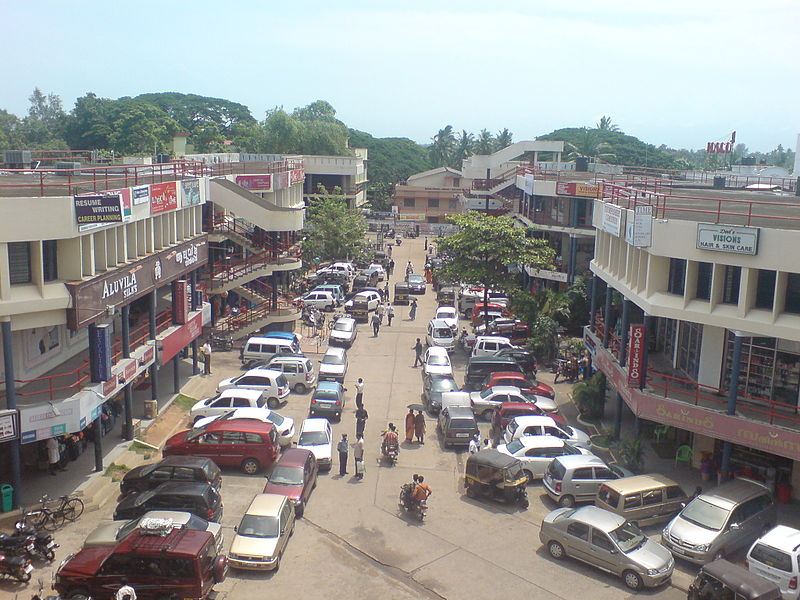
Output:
x,y
652,497
452,204
161,474
579,530
232,437
411,202
50,260
632,501
730,285
583,473
601,540
703,290
253,438
677,276
603,473
240,402
792,292
433,203
765,289
690,340
221,403
184,474
19,262
673,492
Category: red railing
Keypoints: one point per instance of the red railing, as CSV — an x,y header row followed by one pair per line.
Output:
x,y
230,270
485,184
233,323
256,237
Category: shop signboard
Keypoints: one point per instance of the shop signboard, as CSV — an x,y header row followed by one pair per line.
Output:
x,y
100,352
584,190
636,350
180,337
180,301
98,209
163,197
43,421
190,192
612,219
141,194
92,299
9,425
639,233
727,238
125,199
255,183
546,274
296,176
529,184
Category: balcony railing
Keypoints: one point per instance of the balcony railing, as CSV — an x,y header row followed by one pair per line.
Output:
x,y
233,323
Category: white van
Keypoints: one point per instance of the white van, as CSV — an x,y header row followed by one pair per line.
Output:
x,y
440,334
264,349
487,345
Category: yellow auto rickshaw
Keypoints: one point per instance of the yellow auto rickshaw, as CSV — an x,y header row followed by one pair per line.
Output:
x,y
492,474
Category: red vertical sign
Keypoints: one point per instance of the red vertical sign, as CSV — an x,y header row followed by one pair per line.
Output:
x,y
180,302
636,350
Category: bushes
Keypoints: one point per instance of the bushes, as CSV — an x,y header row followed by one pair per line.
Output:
x,y
590,396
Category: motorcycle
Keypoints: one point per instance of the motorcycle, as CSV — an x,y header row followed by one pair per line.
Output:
x,y
390,453
17,545
409,504
567,369
16,567
43,543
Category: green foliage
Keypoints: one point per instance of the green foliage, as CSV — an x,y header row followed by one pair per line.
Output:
x,y
543,341
463,148
195,114
605,124
631,453
441,150
485,143
333,231
590,396
140,128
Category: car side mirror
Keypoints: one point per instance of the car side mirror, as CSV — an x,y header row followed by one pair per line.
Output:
x,y
735,526
683,504
236,529
613,551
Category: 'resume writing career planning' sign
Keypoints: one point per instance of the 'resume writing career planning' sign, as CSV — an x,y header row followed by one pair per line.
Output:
x,y
94,209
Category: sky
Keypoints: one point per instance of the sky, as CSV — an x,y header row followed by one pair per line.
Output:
x,y
676,72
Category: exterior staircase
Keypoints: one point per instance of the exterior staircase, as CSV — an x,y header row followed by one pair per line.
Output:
x,y
246,322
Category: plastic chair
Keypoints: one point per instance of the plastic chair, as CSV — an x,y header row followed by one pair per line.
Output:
x,y
683,454
660,430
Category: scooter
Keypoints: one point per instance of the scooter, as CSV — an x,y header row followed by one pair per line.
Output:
x,y
16,567
409,504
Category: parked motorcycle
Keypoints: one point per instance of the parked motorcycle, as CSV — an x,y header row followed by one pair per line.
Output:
x,y
16,567
17,545
43,543
409,504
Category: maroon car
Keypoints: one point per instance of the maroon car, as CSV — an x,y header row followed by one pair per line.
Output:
x,y
518,380
294,476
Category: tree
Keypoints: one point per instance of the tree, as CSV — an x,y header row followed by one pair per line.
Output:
x,y
44,125
485,143
486,247
503,139
620,149
589,145
332,230
10,135
462,149
141,128
441,149
324,137
282,133
319,110
89,124
194,113
605,124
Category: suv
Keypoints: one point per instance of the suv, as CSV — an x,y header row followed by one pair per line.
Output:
x,y
487,345
576,478
323,300
457,425
333,366
272,383
298,370
524,358
776,556
180,563
440,334
174,468
480,367
197,498
715,523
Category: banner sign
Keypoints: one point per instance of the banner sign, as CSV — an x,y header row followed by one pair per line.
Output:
x,y
584,190
180,337
9,425
141,194
296,176
612,219
726,238
100,352
639,233
190,192
255,183
92,209
719,147
636,349
125,198
180,301
163,197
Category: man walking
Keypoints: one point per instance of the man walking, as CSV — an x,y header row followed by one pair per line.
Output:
x,y
389,314
390,268
380,310
360,393
342,448
361,420
358,456
206,351
376,324
417,353
412,313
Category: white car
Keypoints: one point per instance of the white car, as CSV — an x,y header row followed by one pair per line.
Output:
x,y
344,332
543,425
449,315
485,401
776,556
333,366
439,334
377,268
436,362
284,425
272,383
316,437
487,345
227,401
536,452
372,297
321,299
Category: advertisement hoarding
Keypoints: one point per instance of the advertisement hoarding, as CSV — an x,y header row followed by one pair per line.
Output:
x,y
98,209
727,238
163,197
255,183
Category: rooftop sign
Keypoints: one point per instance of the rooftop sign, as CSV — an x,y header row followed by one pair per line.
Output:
x,y
726,238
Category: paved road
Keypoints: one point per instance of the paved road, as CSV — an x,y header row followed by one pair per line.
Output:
x,y
352,541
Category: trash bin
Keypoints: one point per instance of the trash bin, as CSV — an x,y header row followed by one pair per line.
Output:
x,y
150,409
7,495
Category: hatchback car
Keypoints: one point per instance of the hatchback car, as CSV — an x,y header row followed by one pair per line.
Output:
x,y
449,315
294,476
317,437
298,370
333,366
344,332
507,411
173,468
272,383
371,297
378,269
457,426
440,334
608,542
416,283
544,425
327,399
576,478
197,498
334,288
776,556
284,425
323,300
432,389
529,385
436,361
263,533
226,401
536,453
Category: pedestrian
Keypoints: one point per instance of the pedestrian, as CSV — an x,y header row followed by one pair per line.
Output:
x,y
380,311
419,427
426,243
475,443
389,315
361,420
342,448
358,455
53,454
412,313
386,292
389,248
206,351
410,422
409,268
487,445
360,393
417,353
125,592
376,324
391,267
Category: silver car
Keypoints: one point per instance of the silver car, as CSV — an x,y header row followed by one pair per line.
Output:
x,y
609,542
344,332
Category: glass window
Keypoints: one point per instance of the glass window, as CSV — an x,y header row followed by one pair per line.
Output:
x,y
221,403
232,437
50,260
632,501
241,402
730,284
792,293
609,496
772,557
677,276
433,203
603,473
184,474
579,530
673,492
690,340
409,202
765,289
583,473
703,289
19,262
601,540
452,204
652,497
253,438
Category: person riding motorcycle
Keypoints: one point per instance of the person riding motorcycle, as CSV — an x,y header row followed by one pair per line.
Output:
x,y
422,490
390,439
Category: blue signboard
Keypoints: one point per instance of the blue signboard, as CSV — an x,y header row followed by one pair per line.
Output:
x,y
100,352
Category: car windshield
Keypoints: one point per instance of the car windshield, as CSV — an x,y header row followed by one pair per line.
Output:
x,y
286,475
333,359
514,447
628,537
275,418
443,332
462,423
415,279
437,360
443,385
312,438
446,313
705,514
123,531
568,430
258,526
342,326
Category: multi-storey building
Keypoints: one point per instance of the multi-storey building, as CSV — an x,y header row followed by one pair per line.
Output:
x,y
346,175
430,196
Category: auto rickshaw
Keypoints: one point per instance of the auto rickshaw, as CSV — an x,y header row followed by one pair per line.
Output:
x,y
402,293
722,580
492,474
361,282
447,295
360,310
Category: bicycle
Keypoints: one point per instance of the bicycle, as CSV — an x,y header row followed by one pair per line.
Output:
x,y
44,517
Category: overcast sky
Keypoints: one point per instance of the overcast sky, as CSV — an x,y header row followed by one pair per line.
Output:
x,y
676,72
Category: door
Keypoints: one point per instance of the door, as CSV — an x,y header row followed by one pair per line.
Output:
x,y
582,484
218,407
652,506
232,448
604,553
536,461
290,371
600,476
577,540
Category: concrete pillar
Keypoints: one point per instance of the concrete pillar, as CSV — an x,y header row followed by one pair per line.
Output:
x,y
11,404
648,324
733,392
126,331
176,374
153,332
607,316
573,257
593,301
98,443
618,416
195,367
623,347
127,432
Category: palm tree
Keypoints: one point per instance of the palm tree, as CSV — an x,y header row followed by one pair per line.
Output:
x,y
503,139
590,146
442,148
605,124
485,142
463,148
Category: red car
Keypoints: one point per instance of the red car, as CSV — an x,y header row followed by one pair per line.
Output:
x,y
294,476
518,380
478,310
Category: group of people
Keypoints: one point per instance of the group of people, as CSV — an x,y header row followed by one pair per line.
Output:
x,y
377,317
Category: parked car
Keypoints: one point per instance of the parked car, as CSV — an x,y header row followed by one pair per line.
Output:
x,y
486,345
322,300
436,362
195,497
110,534
479,309
328,399
226,401
576,478
642,499
317,437
334,288
284,425
457,426
371,297
416,283
440,334
263,533
513,329
433,387
449,315
333,366
294,476
717,522
265,348
775,556
529,385
524,358
344,332
377,268
180,563
608,542
484,402
545,425
272,383
175,468
537,452
507,411
249,445
481,367
298,370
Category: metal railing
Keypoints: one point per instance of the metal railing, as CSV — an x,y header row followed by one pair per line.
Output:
x,y
229,270
233,323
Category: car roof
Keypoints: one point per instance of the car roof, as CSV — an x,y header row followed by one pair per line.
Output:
x,y
184,461
447,307
580,460
262,372
517,406
640,483
597,517
266,505
440,323
182,488
437,350
541,441
287,358
526,420
460,411
177,541
272,338
744,583
248,412
294,457
336,350
315,424
330,386
492,338
506,374
783,538
733,492
346,319
244,425
505,389
492,360
241,393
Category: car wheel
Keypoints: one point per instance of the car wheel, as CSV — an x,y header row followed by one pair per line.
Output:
x,y
556,550
250,466
273,403
529,475
300,388
632,580
567,501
